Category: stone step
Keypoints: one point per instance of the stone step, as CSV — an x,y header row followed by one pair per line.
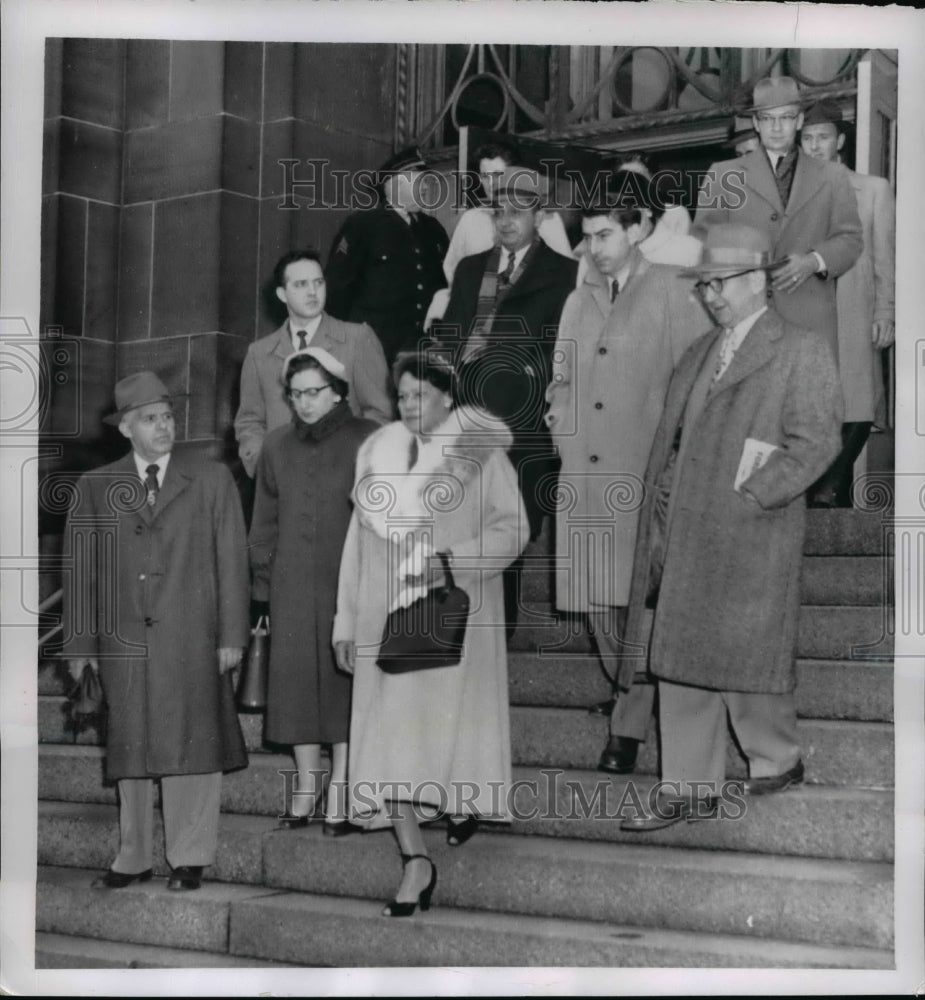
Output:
x,y
826,689
812,821
826,580
825,633
813,901
67,951
835,752
306,930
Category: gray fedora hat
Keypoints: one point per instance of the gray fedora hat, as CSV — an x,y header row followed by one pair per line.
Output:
x,y
729,247
137,390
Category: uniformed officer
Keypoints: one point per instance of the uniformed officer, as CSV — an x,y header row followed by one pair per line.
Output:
x,y
386,263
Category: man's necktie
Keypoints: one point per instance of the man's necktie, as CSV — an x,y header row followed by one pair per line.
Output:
x,y
151,484
614,290
779,166
725,356
303,342
504,278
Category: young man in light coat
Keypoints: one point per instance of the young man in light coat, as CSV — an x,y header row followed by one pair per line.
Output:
x,y
751,417
864,299
157,603
622,333
806,208
300,286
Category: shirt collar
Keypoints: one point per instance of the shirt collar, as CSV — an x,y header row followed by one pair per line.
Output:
x,y
741,329
310,329
518,256
142,466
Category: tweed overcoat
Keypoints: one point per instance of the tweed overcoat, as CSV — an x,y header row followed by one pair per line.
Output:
x,y
820,215
442,735
301,512
727,612
864,294
263,406
606,397
155,608
510,378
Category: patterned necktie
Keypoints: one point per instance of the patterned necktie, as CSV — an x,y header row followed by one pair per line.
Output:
x,y
614,290
504,278
151,484
725,355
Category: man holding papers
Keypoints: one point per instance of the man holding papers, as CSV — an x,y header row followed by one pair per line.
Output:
x,y
752,416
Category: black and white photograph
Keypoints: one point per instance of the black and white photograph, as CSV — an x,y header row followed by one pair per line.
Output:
x,y
464,499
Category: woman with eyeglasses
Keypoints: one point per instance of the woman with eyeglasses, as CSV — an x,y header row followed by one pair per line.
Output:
x,y
301,513
429,742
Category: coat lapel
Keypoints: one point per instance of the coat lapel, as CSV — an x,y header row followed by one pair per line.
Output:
x,y
683,383
806,183
328,332
534,277
756,350
760,179
176,479
282,345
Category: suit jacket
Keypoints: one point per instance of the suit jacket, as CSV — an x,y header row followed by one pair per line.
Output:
x,y
820,215
384,272
727,611
865,293
263,407
154,593
510,378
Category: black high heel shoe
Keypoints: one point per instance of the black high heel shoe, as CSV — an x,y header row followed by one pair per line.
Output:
x,y
458,833
396,909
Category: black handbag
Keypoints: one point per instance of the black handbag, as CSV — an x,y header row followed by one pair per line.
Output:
x,y
252,689
428,633
87,703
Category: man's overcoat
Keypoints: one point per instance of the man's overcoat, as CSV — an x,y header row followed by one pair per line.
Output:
x,y
726,614
154,593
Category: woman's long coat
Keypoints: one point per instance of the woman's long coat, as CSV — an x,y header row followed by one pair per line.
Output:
x,y
442,735
727,611
301,513
606,398
154,593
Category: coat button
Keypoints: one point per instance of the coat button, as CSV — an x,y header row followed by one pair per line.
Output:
x,y
598,406
593,458
141,576
149,622
139,528
602,350
774,217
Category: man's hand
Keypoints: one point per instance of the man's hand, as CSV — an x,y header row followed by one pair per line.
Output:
x,y
229,657
883,333
76,667
345,652
798,268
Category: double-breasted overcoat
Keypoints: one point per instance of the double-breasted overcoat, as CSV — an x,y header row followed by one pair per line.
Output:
x,y
154,592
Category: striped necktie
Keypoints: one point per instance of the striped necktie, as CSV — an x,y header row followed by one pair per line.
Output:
x,y
726,353
151,484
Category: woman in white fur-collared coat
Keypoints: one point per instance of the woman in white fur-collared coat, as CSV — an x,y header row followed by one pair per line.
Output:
x,y
429,741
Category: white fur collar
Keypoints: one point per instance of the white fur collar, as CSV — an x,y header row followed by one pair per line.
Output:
x,y
392,500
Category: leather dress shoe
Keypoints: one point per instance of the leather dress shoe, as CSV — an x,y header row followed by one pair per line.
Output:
x,y
290,822
119,880
776,783
604,708
619,756
339,828
185,877
668,812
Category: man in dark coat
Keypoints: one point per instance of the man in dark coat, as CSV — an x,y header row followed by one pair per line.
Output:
x,y
807,209
752,416
386,263
157,602
502,319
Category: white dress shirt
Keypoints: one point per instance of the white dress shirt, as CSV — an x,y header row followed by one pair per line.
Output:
x,y
141,464
310,328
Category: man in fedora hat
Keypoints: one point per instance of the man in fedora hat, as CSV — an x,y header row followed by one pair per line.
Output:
x,y
300,285
864,301
807,208
386,263
501,322
743,138
157,602
751,418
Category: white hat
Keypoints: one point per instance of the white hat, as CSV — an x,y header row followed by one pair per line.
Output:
x,y
327,361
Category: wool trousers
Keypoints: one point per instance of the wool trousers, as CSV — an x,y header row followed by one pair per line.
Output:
x,y
633,709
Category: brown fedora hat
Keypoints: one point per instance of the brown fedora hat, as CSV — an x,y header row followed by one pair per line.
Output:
x,y
137,390
775,93
729,247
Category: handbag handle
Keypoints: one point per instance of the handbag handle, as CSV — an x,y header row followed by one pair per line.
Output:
x,y
449,583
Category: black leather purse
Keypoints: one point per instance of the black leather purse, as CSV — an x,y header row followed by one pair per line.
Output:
x,y
428,633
